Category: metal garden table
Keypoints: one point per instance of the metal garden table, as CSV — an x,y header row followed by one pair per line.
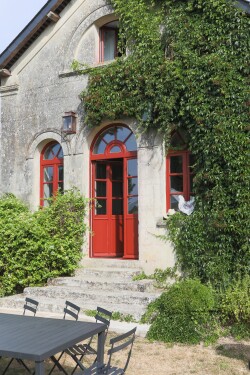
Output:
x,y
36,339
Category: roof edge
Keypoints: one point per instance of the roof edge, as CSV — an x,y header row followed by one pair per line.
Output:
x,y
39,21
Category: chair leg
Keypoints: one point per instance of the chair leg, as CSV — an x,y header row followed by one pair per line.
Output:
x,y
57,364
6,368
78,363
24,365
20,362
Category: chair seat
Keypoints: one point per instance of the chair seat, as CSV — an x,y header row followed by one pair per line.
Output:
x,y
81,349
96,369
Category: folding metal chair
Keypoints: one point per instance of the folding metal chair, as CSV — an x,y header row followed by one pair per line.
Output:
x,y
79,351
30,305
72,311
117,344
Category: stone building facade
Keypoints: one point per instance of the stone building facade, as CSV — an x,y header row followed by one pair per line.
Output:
x,y
38,88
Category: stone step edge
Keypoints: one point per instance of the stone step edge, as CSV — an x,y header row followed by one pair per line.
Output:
x,y
110,280
57,306
90,292
115,326
109,269
60,304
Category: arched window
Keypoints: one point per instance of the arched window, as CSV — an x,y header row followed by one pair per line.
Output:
x,y
51,172
109,41
115,140
179,170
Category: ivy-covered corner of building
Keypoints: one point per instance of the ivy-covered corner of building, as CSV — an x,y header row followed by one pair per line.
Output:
x,y
186,66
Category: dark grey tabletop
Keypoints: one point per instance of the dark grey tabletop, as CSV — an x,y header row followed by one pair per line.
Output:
x,y
35,338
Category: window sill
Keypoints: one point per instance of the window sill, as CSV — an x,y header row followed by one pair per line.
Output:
x,y
161,223
72,73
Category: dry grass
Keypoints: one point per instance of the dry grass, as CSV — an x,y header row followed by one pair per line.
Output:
x,y
227,357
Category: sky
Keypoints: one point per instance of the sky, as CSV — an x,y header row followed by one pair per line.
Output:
x,y
14,16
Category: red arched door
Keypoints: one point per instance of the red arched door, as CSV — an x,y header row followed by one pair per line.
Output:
x,y
115,190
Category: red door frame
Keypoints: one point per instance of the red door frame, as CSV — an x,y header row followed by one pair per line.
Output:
x,y
108,158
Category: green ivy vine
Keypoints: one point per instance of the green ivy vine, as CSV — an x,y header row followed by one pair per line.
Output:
x,y
187,66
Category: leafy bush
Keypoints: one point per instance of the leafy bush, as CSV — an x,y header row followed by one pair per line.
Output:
x,y
36,246
234,307
183,314
116,315
163,278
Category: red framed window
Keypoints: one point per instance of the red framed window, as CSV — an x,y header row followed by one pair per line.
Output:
x,y
179,173
108,41
51,172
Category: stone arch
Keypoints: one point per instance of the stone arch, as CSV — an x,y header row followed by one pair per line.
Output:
x,y
86,34
33,160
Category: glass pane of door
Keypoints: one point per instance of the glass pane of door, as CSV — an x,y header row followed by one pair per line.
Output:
x,y
132,186
117,206
101,207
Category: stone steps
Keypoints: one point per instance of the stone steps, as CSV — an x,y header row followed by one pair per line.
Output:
x,y
107,272
56,305
87,283
105,283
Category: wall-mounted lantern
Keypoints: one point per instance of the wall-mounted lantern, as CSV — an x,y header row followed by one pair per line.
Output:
x,y
69,123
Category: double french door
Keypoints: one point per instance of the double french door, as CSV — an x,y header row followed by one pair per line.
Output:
x,y
115,211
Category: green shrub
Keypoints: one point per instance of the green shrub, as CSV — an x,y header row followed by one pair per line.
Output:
x,y
183,314
162,278
36,246
234,308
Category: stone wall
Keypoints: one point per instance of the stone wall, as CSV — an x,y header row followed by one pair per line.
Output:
x,y
33,100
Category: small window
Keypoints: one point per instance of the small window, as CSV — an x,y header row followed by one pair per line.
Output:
x,y
109,41
51,166
180,174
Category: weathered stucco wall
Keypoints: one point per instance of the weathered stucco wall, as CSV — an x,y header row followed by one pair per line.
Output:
x,y
33,100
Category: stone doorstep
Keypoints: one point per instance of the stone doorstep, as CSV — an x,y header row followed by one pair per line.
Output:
x,y
115,326
110,262
108,272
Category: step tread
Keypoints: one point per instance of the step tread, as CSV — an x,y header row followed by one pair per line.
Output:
x,y
90,292
57,306
108,269
89,278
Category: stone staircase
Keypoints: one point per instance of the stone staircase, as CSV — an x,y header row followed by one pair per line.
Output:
x,y
101,282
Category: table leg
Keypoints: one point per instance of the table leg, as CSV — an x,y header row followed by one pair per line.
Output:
x,y
39,368
100,347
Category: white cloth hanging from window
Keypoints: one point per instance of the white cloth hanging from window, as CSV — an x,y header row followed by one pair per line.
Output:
x,y
184,206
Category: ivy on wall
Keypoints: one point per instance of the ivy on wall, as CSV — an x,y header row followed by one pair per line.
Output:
x,y
187,66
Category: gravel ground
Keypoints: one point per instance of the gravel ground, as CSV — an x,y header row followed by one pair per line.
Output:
x,y
227,357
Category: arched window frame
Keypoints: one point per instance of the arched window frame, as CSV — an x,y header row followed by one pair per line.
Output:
x,y
58,178
112,143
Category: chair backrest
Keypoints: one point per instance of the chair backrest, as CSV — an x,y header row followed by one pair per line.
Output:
x,y
30,305
71,309
122,342
103,316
